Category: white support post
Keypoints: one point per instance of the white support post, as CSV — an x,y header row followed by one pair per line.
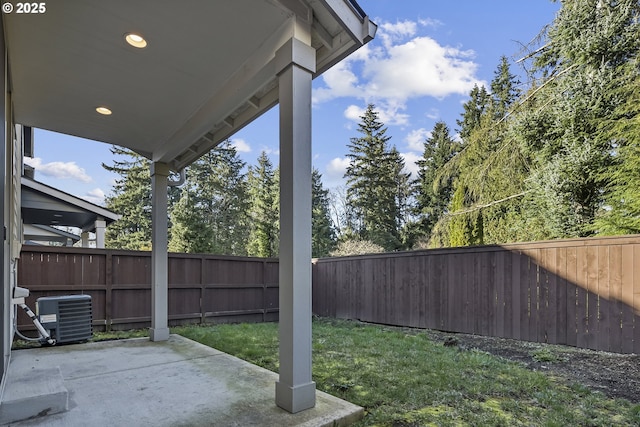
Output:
x,y
159,255
84,238
101,225
295,390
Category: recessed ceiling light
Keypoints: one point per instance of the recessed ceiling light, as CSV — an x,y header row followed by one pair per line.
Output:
x,y
104,111
135,40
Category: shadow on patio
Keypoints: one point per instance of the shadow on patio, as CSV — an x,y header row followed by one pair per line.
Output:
x,y
137,382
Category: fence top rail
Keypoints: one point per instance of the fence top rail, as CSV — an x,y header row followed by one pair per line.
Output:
x,y
122,252
514,247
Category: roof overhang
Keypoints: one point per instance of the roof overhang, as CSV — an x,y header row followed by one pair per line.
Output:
x,y
43,233
45,205
208,69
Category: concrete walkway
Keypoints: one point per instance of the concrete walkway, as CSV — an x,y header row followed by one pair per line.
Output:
x,y
137,382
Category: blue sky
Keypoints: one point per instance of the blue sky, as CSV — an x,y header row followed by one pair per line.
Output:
x,y
426,57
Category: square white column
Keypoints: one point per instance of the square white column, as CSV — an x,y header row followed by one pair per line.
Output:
x,y
159,330
295,390
84,238
101,225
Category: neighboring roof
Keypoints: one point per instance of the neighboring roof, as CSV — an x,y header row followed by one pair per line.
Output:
x,y
45,205
208,70
43,233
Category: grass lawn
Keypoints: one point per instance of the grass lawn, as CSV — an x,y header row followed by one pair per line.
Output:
x,y
402,378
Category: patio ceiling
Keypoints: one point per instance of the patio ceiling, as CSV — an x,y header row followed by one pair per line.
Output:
x,y
207,71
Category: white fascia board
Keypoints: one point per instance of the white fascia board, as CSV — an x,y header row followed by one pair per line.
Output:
x,y
359,27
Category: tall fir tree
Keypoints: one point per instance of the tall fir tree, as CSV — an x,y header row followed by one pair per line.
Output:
x,y
504,89
130,197
475,113
263,210
433,197
211,215
373,179
323,236
474,108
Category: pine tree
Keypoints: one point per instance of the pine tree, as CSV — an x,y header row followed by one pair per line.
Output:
x,y
131,198
474,108
323,236
211,215
433,197
504,89
373,180
476,115
263,210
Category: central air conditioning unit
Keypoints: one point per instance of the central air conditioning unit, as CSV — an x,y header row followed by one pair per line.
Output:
x,y
67,318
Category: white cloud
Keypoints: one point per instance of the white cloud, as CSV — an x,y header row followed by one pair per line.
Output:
x,y
270,151
388,114
354,113
402,65
337,168
241,145
95,196
421,67
433,114
430,22
410,163
415,139
60,170
390,33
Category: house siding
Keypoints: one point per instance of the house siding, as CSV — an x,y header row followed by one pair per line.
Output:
x,y
5,159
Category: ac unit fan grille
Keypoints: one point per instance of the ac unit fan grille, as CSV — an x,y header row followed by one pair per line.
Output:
x,y
75,320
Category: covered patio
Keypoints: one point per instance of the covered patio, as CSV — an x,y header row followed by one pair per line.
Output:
x,y
171,81
138,382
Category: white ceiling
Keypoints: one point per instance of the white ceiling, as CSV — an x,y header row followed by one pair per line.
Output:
x,y
207,70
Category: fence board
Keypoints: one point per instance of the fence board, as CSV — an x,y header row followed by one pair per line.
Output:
x,y
615,300
636,298
572,292
560,273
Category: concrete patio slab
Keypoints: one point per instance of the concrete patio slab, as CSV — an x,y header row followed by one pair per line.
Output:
x,y
178,382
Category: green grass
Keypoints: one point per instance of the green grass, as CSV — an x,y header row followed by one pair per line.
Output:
x,y
402,378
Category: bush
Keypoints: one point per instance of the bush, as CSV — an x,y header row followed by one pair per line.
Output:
x,y
356,247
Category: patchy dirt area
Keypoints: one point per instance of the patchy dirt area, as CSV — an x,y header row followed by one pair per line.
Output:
x,y
615,375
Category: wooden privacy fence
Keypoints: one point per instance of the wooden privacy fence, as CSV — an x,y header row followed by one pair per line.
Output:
x,y
202,288
579,292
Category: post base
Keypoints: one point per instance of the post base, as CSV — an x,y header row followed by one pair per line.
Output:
x,y
297,398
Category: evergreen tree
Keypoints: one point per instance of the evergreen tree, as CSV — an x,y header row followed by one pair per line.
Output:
x,y
474,117
373,179
211,215
622,198
474,108
504,89
323,237
489,168
433,197
590,45
130,198
264,210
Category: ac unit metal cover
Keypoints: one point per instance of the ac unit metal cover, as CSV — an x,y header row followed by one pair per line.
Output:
x,y
68,318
